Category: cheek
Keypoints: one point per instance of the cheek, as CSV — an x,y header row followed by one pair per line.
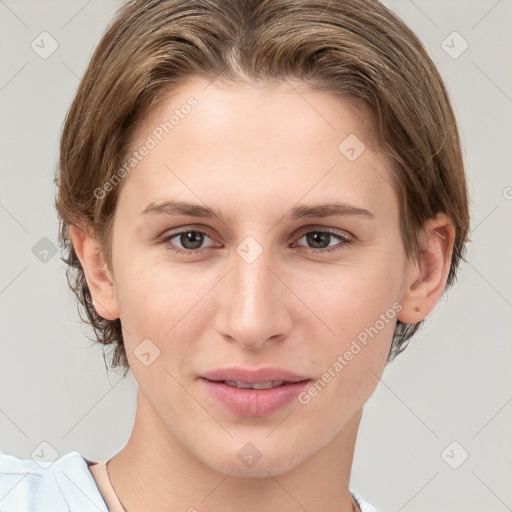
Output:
x,y
348,364
162,303
358,306
160,317
354,293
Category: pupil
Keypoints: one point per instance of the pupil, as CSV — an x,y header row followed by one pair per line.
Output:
x,y
193,237
318,237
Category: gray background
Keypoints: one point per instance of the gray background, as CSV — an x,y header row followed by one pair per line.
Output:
x,y
453,383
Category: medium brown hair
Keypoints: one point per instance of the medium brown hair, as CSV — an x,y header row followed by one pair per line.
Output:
x,y
356,49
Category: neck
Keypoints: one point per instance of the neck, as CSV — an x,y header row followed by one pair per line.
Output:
x,y
155,472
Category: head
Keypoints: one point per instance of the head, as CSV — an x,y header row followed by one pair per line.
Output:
x,y
255,111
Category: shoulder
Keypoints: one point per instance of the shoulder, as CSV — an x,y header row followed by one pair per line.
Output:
x,y
64,485
363,505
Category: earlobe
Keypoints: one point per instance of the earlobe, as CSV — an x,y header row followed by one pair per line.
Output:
x,y
427,274
97,274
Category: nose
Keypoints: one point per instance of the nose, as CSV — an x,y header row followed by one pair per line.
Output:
x,y
255,308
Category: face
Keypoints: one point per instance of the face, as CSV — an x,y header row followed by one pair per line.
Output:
x,y
272,280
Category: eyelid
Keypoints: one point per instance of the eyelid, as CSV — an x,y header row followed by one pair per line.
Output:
x,y
323,229
168,235
186,228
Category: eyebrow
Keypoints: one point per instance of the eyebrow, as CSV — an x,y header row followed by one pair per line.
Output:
x,y
174,208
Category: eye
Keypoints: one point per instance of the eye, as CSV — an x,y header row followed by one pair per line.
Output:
x,y
320,239
190,240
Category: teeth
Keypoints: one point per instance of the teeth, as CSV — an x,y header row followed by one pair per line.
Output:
x,y
255,385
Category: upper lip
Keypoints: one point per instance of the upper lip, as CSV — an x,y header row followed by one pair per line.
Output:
x,y
251,376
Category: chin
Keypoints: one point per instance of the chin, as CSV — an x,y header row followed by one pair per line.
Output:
x,y
273,464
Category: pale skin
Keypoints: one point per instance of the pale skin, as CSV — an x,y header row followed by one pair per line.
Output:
x,y
254,153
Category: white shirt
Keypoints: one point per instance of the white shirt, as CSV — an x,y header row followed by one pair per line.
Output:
x,y
71,483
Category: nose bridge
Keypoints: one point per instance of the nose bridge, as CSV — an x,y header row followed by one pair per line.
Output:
x,y
255,308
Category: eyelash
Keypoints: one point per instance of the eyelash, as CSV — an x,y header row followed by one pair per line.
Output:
x,y
343,239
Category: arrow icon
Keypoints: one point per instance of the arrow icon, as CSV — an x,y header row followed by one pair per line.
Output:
x,y
351,147
44,44
454,455
454,45
249,455
146,352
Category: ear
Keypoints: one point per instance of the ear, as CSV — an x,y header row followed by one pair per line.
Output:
x,y
97,274
427,274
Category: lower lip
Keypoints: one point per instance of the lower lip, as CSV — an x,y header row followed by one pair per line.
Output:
x,y
254,402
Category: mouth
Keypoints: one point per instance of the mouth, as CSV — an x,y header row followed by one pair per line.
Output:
x,y
256,385
254,398
260,378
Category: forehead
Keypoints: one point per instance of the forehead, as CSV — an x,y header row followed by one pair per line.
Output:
x,y
256,143
255,113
